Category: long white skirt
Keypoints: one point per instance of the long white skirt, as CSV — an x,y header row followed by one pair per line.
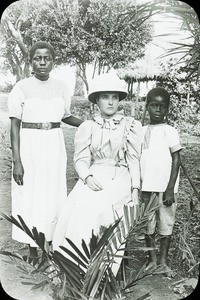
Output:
x,y
86,210
44,191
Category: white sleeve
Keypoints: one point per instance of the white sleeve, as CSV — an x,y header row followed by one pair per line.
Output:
x,y
67,103
173,139
15,103
82,154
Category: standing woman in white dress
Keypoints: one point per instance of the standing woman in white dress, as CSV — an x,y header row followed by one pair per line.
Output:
x,y
37,105
107,154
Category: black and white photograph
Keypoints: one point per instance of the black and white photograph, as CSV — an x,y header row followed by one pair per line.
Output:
x,y
99,150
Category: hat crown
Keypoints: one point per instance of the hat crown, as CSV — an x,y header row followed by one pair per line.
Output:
x,y
106,83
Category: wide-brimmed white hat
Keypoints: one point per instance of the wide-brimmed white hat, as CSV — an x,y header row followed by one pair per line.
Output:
x,y
106,83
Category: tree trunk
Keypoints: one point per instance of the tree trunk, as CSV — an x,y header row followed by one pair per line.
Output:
x,y
79,88
26,70
135,105
131,89
22,70
94,70
18,37
137,99
82,74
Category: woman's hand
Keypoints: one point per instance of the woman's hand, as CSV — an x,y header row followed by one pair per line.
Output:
x,y
18,172
93,183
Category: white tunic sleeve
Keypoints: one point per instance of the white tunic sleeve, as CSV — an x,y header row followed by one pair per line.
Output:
x,y
133,153
67,103
82,154
173,139
15,103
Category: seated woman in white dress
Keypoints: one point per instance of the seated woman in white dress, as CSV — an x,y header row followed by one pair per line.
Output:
x,y
107,153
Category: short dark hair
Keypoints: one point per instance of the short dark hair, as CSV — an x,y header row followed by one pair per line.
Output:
x,y
158,91
41,45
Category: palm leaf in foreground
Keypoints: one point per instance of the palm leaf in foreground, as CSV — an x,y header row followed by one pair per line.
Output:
x,y
87,273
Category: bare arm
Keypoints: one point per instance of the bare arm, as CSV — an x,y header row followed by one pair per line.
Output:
x,y
72,121
169,193
18,171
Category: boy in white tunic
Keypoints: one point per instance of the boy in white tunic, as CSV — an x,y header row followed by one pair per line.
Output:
x,y
160,162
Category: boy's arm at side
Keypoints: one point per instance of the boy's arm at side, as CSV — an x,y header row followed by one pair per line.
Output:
x,y
168,197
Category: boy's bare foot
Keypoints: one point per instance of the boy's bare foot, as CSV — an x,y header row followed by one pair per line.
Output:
x,y
166,271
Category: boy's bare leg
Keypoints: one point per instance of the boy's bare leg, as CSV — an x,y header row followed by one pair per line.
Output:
x,y
150,242
164,248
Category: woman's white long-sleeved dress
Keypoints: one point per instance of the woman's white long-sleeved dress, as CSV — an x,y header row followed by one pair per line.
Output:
x,y
109,149
39,200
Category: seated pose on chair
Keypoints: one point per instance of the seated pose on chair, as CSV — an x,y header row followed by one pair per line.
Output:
x,y
107,153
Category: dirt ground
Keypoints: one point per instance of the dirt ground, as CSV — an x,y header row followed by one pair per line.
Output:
x,y
160,287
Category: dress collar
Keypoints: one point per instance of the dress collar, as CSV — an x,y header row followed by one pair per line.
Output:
x,y
157,125
109,123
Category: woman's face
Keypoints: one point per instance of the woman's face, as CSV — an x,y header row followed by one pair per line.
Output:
x,y
42,63
108,103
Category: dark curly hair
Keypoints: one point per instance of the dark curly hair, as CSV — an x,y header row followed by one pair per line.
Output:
x,y
158,91
41,45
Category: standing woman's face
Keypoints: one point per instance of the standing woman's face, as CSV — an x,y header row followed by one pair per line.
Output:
x,y
42,63
108,103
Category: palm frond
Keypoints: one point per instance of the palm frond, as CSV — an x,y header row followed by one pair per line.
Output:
x,y
98,281
25,227
103,241
93,243
12,220
77,250
38,285
39,238
8,253
76,269
73,256
85,249
88,271
94,273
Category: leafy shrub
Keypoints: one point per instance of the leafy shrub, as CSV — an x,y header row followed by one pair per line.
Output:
x,y
6,88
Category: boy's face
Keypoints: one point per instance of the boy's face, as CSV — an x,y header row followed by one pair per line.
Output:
x,y
157,109
42,63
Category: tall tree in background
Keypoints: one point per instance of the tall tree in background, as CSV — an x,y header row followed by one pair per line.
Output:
x,y
82,32
16,37
91,31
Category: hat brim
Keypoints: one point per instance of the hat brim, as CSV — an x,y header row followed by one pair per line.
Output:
x,y
93,96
